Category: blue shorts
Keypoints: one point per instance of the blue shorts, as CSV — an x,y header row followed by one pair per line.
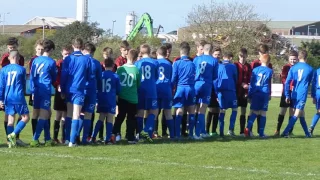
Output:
x,y
12,109
259,102
147,103
228,99
298,104
164,103
203,92
106,109
184,97
41,101
77,99
90,101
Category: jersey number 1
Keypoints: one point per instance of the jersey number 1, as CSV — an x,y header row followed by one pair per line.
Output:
x,y
11,76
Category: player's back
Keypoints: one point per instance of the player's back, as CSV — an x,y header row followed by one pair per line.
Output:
x,y
183,72
95,76
227,77
43,74
110,88
13,82
164,88
148,68
130,78
261,80
301,74
316,84
206,68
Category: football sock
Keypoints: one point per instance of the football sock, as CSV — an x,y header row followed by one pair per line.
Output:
x,y
109,127
74,130
170,124
39,128
191,125
290,132
97,127
280,121
251,120
304,126
233,118
291,123
10,129
164,125
184,123
209,119
149,125
177,124
315,120
19,127
197,127
18,135
242,123
34,125
263,120
56,129
68,123
140,124
86,130
202,123
80,125
215,122
63,130
47,136
6,127
221,123
258,123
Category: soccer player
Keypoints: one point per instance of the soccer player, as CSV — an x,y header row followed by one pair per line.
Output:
x,y
213,110
12,86
206,72
164,89
76,72
301,74
92,85
293,59
60,106
42,77
263,49
244,74
225,87
107,96
183,78
259,91
315,94
128,98
147,92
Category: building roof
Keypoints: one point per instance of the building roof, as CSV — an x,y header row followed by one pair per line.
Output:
x,y
288,24
19,28
52,21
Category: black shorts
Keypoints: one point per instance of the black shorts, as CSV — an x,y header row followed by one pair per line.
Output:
x,y
213,101
59,103
242,101
283,103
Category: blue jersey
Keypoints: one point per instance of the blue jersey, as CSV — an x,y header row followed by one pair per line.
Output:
x,y
164,88
42,75
12,84
76,72
183,72
206,68
315,83
148,68
227,77
301,75
95,77
260,81
109,90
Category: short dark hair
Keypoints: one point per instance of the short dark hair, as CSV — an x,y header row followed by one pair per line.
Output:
x,y
108,50
12,41
293,53
133,54
78,43
243,51
108,62
263,48
67,48
168,45
217,48
90,47
201,43
185,48
228,55
48,45
303,54
124,44
162,51
153,54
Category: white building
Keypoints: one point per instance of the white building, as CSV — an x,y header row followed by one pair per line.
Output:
x,y
51,21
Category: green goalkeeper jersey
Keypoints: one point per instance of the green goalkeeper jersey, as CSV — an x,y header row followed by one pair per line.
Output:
x,y
130,81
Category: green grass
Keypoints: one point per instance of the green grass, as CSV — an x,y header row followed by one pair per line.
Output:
x,y
215,158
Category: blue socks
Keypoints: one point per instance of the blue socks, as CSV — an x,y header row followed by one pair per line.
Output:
x,y
304,126
149,124
290,125
191,124
74,130
9,129
97,128
233,118
170,124
262,125
67,122
47,136
315,120
140,124
178,126
221,123
251,120
109,127
19,127
39,128
86,130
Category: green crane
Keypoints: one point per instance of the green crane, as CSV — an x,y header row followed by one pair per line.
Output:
x,y
146,21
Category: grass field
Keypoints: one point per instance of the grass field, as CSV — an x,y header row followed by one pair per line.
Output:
x,y
215,158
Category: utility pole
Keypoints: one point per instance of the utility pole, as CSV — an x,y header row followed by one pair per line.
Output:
x,y
4,20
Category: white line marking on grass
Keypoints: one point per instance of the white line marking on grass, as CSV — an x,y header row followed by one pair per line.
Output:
x,y
254,170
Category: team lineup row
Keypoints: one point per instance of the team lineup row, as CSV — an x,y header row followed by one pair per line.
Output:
x,y
138,86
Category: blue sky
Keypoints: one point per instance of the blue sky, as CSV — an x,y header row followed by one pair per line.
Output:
x,y
171,14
